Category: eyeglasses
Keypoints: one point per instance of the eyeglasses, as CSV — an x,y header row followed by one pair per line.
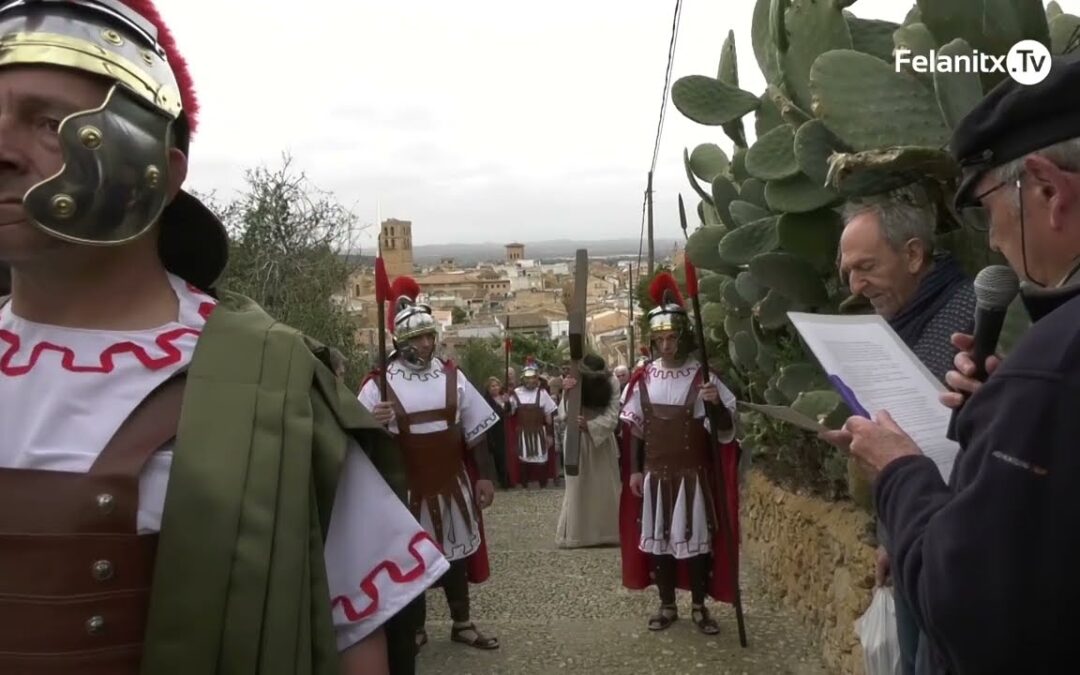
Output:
x,y
977,217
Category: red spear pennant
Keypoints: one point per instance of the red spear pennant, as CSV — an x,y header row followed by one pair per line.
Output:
x,y
382,294
726,525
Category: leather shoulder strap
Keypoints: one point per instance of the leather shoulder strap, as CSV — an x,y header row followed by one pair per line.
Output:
x,y
152,424
643,392
692,393
451,393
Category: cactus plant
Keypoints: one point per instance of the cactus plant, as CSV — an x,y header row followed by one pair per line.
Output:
x,y
835,121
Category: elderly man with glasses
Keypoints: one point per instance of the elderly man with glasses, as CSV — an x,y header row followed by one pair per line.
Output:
x,y
988,560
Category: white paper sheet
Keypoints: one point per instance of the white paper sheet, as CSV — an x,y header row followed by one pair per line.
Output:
x,y
785,414
884,374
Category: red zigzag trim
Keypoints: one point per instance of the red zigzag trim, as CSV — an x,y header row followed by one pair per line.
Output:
x,y
106,360
164,341
393,572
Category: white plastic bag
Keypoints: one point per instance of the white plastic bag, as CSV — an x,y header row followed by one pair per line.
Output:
x,y
877,633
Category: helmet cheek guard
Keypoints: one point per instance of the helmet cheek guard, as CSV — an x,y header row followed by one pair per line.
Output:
x,y
114,183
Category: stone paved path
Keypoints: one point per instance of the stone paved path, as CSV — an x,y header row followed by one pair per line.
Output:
x,y
565,611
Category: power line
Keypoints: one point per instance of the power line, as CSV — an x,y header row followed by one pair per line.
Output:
x,y
667,82
660,123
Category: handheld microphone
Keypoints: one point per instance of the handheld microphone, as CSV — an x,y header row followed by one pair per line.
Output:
x,y
995,288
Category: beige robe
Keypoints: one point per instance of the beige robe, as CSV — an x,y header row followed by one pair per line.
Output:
x,y
590,510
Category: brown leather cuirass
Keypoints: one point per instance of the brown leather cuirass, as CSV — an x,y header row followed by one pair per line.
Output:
x,y
532,428
74,574
677,451
433,461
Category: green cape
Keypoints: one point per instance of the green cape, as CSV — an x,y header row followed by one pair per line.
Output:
x,y
240,583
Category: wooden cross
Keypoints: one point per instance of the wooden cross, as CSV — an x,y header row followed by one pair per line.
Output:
x,y
572,450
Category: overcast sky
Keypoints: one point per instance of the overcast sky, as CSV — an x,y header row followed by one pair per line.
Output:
x,y
479,120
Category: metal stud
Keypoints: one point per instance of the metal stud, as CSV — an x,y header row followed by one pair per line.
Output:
x,y
147,57
112,37
153,176
95,625
102,570
63,206
106,502
90,137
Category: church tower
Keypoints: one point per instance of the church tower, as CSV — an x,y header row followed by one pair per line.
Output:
x,y
395,240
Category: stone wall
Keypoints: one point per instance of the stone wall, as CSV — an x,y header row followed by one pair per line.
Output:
x,y
814,560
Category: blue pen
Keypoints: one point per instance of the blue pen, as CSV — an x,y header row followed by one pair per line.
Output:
x,y
848,396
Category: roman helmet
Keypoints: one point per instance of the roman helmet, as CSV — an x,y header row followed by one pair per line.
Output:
x,y
530,373
113,186
669,314
409,319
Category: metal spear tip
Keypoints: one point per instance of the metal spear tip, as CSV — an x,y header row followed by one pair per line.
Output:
x,y
682,215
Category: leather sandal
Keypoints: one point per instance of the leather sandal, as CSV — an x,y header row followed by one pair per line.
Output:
x,y
704,622
664,617
479,642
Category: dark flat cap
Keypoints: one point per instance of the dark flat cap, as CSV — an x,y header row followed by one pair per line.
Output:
x,y
1014,120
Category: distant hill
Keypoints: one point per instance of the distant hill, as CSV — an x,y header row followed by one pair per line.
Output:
x,y
466,254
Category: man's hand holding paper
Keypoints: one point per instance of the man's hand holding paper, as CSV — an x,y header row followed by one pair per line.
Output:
x,y
875,444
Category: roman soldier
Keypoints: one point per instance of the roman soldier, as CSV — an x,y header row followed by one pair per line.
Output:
x,y
532,435
670,508
184,485
440,421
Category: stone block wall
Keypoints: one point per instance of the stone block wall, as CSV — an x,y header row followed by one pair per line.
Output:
x,y
814,560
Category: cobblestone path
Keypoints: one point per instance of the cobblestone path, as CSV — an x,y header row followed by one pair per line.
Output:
x,y
565,611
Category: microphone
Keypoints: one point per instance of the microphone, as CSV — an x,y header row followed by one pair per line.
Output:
x,y
995,288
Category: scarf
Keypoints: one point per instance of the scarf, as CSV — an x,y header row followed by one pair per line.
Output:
x,y
933,293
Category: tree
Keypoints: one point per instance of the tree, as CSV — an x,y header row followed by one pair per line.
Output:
x,y
458,315
480,359
287,240
548,353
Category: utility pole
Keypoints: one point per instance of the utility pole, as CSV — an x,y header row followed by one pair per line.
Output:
x,y
630,354
648,199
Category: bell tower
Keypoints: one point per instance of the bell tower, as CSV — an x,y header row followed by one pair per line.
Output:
x,y
395,240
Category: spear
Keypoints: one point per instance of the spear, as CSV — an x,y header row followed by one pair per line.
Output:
x,y
703,354
382,293
507,344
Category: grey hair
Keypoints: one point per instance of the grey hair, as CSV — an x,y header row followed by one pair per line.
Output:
x,y
903,214
1065,155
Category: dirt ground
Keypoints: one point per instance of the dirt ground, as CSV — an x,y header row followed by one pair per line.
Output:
x,y
566,611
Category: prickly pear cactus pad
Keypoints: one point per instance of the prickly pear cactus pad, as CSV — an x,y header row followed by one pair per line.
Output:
x,y
957,93
708,161
813,27
772,157
991,26
707,100
868,105
740,246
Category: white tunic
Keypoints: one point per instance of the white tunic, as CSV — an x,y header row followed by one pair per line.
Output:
x,y
670,386
547,404
65,391
419,390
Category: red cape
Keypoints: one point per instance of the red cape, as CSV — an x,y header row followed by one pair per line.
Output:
x,y
479,569
635,563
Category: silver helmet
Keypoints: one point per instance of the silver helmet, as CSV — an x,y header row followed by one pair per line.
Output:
x,y
410,319
669,314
